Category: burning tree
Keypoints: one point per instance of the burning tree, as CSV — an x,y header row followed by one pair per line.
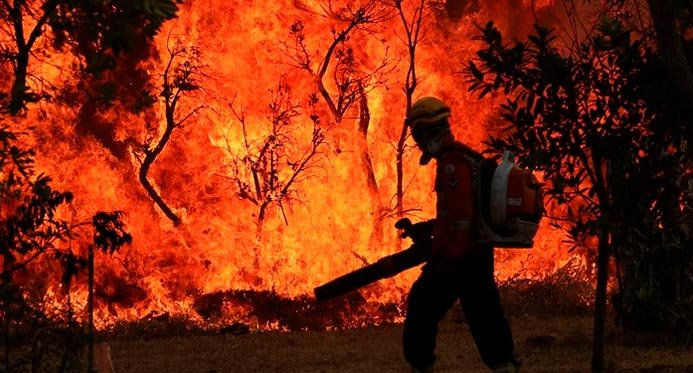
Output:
x,y
349,84
110,74
598,124
179,78
40,322
271,162
413,32
352,86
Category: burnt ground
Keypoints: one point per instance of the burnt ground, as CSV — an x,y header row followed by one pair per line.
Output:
x,y
551,321
555,344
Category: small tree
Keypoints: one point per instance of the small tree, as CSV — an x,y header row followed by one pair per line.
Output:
x,y
268,167
109,236
180,77
349,84
413,32
597,124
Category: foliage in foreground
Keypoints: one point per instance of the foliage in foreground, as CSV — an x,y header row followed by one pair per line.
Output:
x,y
42,329
596,120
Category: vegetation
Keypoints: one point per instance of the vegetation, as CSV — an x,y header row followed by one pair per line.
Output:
x,y
41,327
180,78
352,82
608,133
96,30
270,165
597,122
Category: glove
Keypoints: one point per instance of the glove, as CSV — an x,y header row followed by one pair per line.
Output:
x,y
419,232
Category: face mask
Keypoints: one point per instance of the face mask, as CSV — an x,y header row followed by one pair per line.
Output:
x,y
433,145
430,140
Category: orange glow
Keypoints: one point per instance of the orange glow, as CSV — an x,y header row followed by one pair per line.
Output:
x,y
326,230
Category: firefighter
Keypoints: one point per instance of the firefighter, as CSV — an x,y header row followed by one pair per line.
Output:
x,y
459,267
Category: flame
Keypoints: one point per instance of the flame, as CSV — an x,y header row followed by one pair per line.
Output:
x,y
327,229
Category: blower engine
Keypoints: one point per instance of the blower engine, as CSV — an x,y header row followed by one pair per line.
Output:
x,y
511,203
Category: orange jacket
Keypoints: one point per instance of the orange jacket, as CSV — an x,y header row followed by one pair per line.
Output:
x,y
453,229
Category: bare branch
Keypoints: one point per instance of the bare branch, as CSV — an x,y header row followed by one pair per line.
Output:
x,y
191,113
48,9
178,79
273,162
344,74
413,32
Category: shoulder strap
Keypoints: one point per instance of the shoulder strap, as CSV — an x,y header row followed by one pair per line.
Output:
x,y
472,155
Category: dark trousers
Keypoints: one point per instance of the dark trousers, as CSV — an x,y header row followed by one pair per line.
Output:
x,y
441,284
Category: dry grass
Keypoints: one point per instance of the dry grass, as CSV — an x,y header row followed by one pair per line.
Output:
x,y
560,344
551,322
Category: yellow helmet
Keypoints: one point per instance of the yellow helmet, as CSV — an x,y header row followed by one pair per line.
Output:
x,y
428,122
427,110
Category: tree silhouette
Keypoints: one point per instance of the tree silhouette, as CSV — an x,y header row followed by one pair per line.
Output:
x,y
599,126
270,164
349,84
96,30
31,235
180,77
413,32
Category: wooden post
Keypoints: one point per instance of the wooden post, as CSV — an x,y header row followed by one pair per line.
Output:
x,y
90,310
6,336
102,358
600,302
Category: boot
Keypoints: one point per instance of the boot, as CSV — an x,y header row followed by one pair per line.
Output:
x,y
506,368
428,369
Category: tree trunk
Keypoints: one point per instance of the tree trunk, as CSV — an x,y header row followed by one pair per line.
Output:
x,y
412,31
153,194
149,159
600,302
678,68
400,170
261,243
19,88
373,190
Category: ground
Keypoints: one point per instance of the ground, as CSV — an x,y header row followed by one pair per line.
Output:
x,y
543,344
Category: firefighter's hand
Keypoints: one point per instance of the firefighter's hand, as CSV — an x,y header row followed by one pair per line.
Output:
x,y
418,232
404,224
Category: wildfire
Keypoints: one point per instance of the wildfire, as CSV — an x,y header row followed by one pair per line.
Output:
x,y
255,74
